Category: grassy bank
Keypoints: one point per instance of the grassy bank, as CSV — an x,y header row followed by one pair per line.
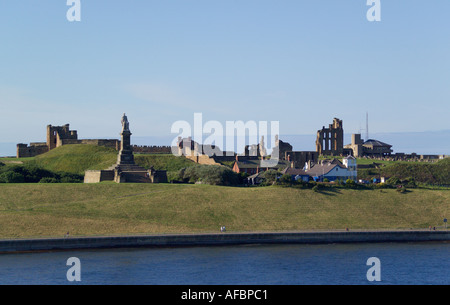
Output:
x,y
76,159
33,210
437,173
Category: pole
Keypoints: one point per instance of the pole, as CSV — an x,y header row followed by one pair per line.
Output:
x,y
367,126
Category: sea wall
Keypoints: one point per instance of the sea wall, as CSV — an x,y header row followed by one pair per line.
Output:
x,y
220,239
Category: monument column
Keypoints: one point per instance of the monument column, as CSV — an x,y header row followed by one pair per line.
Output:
x,y
126,151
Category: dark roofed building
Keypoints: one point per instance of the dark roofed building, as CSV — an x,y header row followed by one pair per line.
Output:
x,y
252,167
369,148
377,148
297,174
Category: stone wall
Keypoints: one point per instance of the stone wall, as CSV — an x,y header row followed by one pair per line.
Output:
x,y
152,149
171,240
299,158
98,176
203,159
25,151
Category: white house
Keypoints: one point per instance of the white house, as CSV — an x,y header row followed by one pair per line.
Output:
x,y
335,170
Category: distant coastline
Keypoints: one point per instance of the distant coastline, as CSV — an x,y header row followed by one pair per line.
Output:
x,y
223,239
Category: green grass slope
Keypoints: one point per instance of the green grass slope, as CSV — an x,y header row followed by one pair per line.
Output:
x,y
163,162
76,158
79,158
36,210
429,173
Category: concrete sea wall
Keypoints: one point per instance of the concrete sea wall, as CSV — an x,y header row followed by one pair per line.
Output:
x,y
73,243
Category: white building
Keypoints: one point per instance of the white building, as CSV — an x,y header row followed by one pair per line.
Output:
x,y
335,170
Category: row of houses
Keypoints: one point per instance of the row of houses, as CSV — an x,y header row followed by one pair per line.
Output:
x,y
332,170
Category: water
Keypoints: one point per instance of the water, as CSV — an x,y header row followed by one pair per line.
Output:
x,y
401,263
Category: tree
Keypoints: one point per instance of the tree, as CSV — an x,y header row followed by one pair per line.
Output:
x,y
349,183
12,177
286,179
393,181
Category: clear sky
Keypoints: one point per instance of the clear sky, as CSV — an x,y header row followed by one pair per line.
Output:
x,y
300,62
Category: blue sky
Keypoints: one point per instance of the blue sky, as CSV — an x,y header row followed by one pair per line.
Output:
x,y
300,62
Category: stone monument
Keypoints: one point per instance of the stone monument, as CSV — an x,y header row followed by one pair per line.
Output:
x,y
125,170
126,151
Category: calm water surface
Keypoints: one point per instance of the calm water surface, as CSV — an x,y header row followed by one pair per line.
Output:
x,y
409,263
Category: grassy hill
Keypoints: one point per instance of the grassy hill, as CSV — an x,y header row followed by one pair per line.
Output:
x,y
429,173
76,158
79,158
163,161
30,210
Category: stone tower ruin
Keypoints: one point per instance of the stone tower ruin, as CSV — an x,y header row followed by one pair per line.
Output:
x,y
330,141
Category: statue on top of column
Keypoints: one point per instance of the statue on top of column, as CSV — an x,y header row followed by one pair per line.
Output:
x,y
125,124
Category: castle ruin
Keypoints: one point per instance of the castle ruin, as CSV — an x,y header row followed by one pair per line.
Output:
x,y
58,136
330,141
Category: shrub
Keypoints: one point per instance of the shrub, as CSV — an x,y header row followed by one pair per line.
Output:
x,y
393,181
49,180
34,174
12,177
349,183
270,176
174,176
326,180
69,178
380,186
242,176
401,189
30,173
410,182
286,179
209,174
316,188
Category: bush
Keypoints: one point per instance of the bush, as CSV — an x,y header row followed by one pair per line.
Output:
x,y
69,178
326,180
349,183
49,180
12,177
270,176
393,181
242,177
380,186
209,174
35,174
32,174
316,188
174,176
410,183
401,189
286,179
